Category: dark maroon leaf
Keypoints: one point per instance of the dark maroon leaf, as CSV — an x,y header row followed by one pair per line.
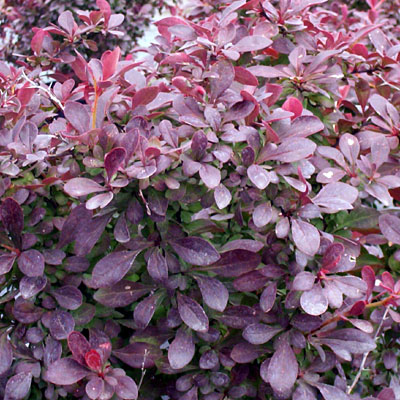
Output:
x,y
6,262
250,281
259,333
239,317
78,346
235,263
68,297
18,386
144,311
157,266
268,297
31,263
6,354
214,293
195,250
13,219
76,264
244,353
65,372
283,369
121,294
181,350
138,354
61,324
113,160
192,313
332,255
112,268
199,145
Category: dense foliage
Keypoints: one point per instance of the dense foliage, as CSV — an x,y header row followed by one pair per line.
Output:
x,y
213,217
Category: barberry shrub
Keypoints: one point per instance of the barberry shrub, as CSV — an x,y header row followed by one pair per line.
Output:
x,y
212,217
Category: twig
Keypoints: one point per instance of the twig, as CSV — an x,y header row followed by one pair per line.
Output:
x,y
365,355
143,370
51,95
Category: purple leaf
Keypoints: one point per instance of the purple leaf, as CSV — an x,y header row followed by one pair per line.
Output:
x,y
283,369
95,387
61,324
68,297
18,386
303,281
79,346
77,187
250,281
222,196
6,263
239,317
239,111
390,227
113,160
31,263
121,294
144,311
100,200
199,145
112,268
208,360
225,75
331,392
350,147
214,293
251,43
268,297
66,21
192,313
77,115
292,150
264,71
65,372
139,354
314,302
243,244
210,175
31,286
337,196
244,353
259,333
195,250
181,350
235,263
121,230
6,354
126,388
262,215
305,236
157,266
258,176
301,127
25,312
13,219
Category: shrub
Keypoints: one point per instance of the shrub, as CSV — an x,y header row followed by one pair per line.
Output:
x,y
217,218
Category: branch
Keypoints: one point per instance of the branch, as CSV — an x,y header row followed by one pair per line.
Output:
x,y
51,95
365,355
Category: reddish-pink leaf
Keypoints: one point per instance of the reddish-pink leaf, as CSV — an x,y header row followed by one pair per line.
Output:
x,y
110,60
78,346
12,218
144,96
113,160
245,77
